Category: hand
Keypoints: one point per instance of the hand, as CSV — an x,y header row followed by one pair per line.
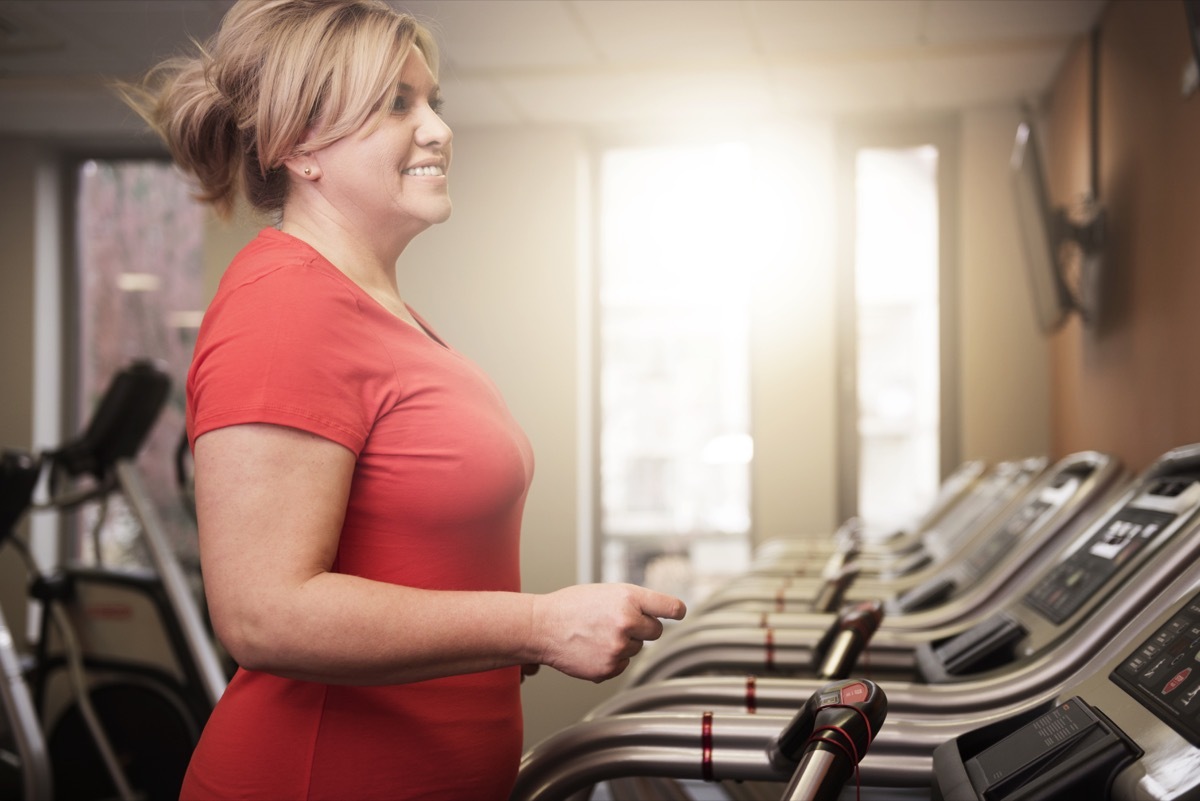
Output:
x,y
591,631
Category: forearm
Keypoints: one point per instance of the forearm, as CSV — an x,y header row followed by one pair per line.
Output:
x,y
342,629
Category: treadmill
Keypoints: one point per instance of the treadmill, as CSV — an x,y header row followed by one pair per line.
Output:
x,y
953,490
1059,502
1133,576
954,530
1147,530
1125,727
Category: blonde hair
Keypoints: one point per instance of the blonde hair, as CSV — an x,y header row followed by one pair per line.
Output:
x,y
279,78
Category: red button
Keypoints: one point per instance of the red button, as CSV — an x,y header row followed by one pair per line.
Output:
x,y
853,693
1180,678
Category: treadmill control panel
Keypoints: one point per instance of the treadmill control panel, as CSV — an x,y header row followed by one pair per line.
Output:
x,y
995,546
1163,674
1088,568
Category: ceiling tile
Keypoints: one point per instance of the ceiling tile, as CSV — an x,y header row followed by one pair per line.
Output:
x,y
987,78
958,22
807,30
719,97
122,37
505,34
666,31
831,89
599,62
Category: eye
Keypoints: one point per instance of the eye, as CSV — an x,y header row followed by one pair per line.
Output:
x,y
402,105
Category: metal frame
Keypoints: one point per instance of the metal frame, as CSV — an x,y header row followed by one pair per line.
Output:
x,y
23,721
196,636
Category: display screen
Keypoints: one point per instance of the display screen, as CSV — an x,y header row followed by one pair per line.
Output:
x,y
1163,673
1085,571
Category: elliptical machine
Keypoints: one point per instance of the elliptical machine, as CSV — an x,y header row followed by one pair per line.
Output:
x,y
124,672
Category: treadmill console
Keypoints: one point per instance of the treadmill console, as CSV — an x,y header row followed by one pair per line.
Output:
x,y
1163,674
982,558
1004,540
1049,500
1137,524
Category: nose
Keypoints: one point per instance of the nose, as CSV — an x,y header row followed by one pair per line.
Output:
x,y
433,131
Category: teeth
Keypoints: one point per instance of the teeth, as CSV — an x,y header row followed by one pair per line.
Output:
x,y
424,171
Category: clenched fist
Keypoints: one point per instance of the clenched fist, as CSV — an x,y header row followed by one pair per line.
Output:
x,y
591,631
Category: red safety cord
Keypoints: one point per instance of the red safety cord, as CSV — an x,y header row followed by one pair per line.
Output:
x,y
852,752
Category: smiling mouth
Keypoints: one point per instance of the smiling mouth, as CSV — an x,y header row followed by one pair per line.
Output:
x,y
430,171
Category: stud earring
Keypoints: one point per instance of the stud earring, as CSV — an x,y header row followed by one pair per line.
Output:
x,y
308,170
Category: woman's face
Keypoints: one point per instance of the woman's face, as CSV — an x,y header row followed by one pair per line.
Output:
x,y
393,179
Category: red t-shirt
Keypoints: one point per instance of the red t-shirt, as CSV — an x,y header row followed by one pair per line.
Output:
x,y
436,502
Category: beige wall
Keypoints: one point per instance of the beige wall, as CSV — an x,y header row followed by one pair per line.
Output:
x,y
793,404
1003,358
17,161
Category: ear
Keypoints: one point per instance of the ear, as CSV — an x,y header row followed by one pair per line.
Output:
x,y
303,167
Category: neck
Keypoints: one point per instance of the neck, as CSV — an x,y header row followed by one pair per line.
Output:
x,y
364,260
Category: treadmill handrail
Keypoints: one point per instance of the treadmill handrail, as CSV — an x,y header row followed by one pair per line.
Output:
x,y
1040,676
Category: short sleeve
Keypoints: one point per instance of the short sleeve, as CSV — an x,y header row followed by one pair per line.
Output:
x,y
289,348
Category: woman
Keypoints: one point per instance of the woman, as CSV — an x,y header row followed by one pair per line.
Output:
x,y
359,483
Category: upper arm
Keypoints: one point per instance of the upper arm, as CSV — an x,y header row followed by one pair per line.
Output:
x,y
270,502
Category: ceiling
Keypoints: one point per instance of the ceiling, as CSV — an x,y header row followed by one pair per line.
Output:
x,y
595,63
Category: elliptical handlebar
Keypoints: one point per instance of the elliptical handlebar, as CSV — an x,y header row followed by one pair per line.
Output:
x,y
19,473
117,430
120,424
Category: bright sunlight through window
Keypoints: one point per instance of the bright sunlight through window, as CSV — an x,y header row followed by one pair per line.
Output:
x,y
674,317
896,281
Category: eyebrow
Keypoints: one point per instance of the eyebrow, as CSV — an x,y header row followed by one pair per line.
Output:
x,y
434,91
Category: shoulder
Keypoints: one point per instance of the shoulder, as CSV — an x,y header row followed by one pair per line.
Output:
x,y
275,272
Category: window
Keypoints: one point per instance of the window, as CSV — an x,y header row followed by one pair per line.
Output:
x,y
139,243
896,283
898,434
673,359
